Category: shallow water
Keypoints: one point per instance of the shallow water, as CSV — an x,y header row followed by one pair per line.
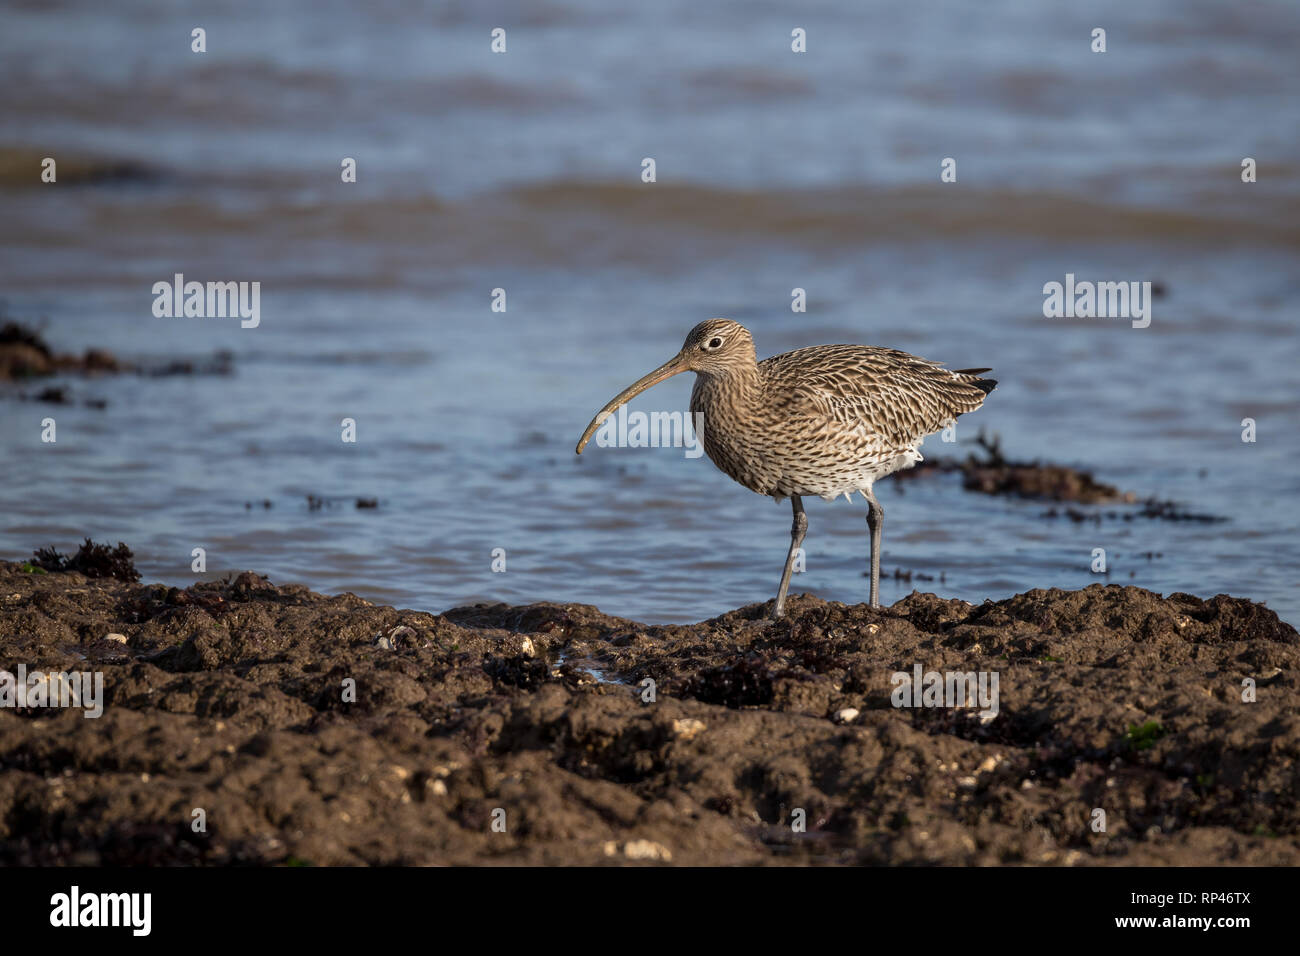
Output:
x,y
775,171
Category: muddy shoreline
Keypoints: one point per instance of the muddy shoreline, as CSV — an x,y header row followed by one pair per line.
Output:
x,y
26,357
229,698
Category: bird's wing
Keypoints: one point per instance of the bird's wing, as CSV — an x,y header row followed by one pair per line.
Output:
x,y
884,392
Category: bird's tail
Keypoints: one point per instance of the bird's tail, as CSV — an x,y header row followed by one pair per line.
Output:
x,y
985,385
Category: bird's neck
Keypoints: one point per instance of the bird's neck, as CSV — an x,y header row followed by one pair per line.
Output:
x,y
737,387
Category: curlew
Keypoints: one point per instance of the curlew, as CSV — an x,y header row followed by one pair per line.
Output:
x,y
827,420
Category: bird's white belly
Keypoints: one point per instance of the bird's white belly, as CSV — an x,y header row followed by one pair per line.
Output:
x,y
854,477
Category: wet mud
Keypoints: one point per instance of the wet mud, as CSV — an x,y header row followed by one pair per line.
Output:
x,y
25,356
496,734
986,470
23,168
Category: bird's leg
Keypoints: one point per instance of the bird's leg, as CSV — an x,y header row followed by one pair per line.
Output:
x,y
797,530
875,518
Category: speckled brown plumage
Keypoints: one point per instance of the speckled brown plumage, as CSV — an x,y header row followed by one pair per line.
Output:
x,y
827,420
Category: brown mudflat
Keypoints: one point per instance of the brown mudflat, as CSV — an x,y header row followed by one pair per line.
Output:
x,y
227,697
24,356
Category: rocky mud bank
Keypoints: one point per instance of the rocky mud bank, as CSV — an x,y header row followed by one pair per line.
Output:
x,y
986,470
26,357
495,734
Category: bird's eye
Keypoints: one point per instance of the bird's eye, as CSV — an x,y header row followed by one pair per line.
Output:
x,y
715,343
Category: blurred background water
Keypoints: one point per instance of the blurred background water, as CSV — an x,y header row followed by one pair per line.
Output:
x,y
521,171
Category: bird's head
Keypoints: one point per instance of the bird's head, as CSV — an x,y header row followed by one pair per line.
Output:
x,y
714,347
717,346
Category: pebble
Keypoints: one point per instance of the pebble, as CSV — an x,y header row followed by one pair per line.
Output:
x,y
688,728
847,715
646,850
394,637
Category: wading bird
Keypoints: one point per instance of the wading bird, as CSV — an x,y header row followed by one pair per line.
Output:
x,y
827,420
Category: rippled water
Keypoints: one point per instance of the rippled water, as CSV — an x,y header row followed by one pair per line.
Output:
x,y
775,171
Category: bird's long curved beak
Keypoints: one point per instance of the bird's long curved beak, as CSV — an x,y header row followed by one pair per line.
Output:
x,y
670,368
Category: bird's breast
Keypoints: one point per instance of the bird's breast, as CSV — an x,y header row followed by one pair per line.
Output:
x,y
730,431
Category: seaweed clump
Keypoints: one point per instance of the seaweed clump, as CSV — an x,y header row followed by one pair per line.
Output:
x,y
93,560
